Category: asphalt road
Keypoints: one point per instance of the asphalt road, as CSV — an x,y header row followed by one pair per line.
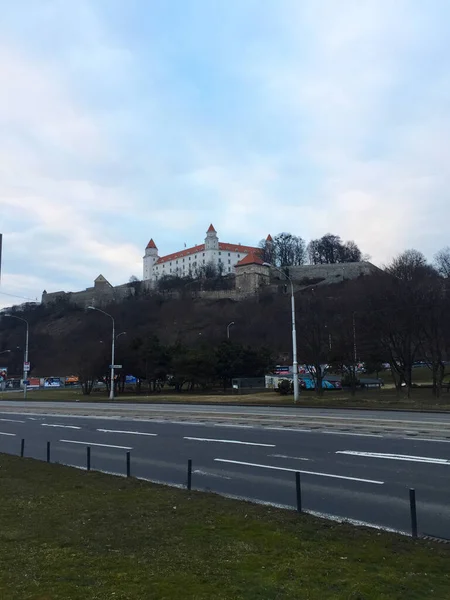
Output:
x,y
364,477
395,423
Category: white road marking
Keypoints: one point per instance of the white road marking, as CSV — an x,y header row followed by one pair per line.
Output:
x,y
377,435
4,433
406,457
231,425
247,464
284,456
200,472
65,426
197,439
12,421
129,432
416,439
288,429
95,444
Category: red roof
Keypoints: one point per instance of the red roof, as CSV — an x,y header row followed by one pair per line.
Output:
x,y
152,244
181,254
269,238
211,229
223,246
254,258
236,248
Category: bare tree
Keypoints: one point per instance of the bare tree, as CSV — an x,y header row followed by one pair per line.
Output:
x,y
330,249
410,265
442,262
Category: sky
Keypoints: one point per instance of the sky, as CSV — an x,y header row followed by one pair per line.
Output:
x,y
125,121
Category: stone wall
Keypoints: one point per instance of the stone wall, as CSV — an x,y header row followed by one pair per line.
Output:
x,y
98,295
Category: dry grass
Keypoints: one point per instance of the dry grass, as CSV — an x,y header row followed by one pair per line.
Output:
x,y
71,535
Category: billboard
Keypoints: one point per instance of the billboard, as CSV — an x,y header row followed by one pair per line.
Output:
x,y
34,382
52,382
3,374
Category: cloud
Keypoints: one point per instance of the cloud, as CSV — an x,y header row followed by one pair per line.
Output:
x,y
123,122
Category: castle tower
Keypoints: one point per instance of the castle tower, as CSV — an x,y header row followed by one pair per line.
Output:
x,y
150,258
211,240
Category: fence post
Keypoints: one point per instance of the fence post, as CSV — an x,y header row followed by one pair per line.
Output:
x,y
128,464
48,452
189,475
22,448
299,492
88,458
412,506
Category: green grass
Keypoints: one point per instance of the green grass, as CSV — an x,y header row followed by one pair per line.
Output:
x,y
71,535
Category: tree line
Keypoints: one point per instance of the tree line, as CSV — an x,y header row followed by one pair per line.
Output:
x,y
183,367
399,316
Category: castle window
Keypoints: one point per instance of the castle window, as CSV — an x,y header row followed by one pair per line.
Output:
x,y
220,253
239,256
203,261
229,261
203,254
170,264
183,259
229,254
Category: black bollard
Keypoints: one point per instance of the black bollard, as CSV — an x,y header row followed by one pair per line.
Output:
x,y
48,452
412,506
22,448
128,464
299,492
88,458
189,475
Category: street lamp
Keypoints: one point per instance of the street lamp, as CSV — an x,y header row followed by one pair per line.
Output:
x,y
228,329
5,351
113,342
294,333
26,366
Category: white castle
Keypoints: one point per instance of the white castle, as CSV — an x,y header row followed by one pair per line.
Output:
x,y
190,261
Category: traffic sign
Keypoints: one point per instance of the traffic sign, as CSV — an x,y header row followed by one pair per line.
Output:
x,y
115,366
26,366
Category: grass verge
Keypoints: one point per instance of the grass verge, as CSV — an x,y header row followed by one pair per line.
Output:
x,y
71,535
385,399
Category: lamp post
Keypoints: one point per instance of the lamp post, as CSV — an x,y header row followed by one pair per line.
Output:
x,y
25,357
228,329
294,334
113,344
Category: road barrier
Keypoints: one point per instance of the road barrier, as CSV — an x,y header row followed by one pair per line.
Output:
x,y
298,491
298,488
189,475
412,505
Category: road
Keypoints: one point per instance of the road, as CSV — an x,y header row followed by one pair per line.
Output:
x,y
362,476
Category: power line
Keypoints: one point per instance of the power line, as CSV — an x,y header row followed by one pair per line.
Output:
x,y
21,297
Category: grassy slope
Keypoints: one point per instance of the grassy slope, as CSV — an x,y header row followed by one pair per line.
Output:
x,y
70,535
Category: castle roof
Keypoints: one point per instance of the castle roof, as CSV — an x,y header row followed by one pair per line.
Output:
x,y
152,244
269,238
211,229
223,247
253,258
